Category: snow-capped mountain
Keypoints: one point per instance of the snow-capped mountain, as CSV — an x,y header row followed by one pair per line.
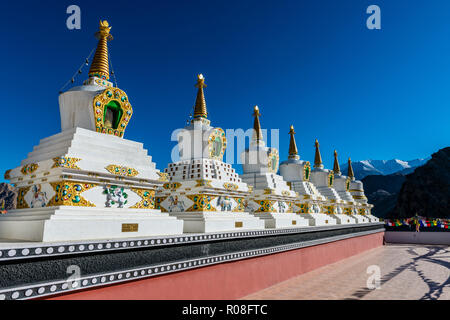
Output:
x,y
383,167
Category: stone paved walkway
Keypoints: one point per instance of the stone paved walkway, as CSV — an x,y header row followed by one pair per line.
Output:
x,y
409,272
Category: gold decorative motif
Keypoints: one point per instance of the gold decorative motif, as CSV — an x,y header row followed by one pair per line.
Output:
x,y
265,205
285,193
112,111
163,176
171,185
360,197
250,189
202,202
303,208
8,174
274,159
29,168
217,144
65,162
148,199
240,205
122,170
329,209
21,203
68,193
290,208
238,224
230,186
158,202
203,183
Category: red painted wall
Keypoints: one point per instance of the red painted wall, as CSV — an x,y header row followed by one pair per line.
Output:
x,y
233,280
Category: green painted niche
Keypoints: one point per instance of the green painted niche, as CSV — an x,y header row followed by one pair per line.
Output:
x,y
307,173
112,114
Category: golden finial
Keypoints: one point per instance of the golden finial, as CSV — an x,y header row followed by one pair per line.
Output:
x,y
293,152
256,125
350,173
336,167
200,103
317,157
100,63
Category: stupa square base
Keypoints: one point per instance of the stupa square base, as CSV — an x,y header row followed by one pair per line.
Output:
x,y
372,218
67,223
361,219
218,221
319,219
282,220
344,219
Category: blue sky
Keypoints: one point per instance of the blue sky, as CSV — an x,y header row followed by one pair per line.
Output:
x,y
370,94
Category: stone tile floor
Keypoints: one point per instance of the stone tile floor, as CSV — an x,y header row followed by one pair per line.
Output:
x,y
407,272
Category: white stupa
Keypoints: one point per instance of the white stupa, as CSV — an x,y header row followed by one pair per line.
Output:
x,y
87,182
203,191
323,179
356,189
272,199
298,173
342,186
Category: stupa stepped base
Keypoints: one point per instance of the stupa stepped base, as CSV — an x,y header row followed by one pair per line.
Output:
x,y
344,219
218,221
328,192
319,219
66,223
282,220
372,218
361,219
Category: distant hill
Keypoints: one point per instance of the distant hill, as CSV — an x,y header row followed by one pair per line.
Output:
x,y
366,168
382,192
426,191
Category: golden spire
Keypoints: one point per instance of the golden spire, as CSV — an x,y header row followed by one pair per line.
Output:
x,y
336,167
257,133
200,103
350,173
318,157
293,152
100,63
